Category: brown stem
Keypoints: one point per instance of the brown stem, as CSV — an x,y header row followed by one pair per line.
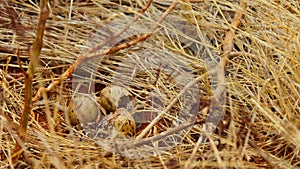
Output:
x,y
227,49
34,58
99,46
112,50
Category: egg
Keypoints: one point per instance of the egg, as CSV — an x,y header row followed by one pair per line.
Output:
x,y
118,124
123,122
113,97
83,109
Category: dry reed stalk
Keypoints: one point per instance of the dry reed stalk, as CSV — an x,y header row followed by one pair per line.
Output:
x,y
260,127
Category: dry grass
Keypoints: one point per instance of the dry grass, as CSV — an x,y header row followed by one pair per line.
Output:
x,y
260,126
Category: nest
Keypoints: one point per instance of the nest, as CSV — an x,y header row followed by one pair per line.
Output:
x,y
174,74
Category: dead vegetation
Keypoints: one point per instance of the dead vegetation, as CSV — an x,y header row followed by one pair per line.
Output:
x,y
219,78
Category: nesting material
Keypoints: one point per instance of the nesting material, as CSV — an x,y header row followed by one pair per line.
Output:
x,y
256,124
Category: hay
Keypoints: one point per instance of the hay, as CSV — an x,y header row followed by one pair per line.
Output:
x,y
259,127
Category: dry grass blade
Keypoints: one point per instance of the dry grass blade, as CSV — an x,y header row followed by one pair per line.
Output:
x,y
210,84
91,52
